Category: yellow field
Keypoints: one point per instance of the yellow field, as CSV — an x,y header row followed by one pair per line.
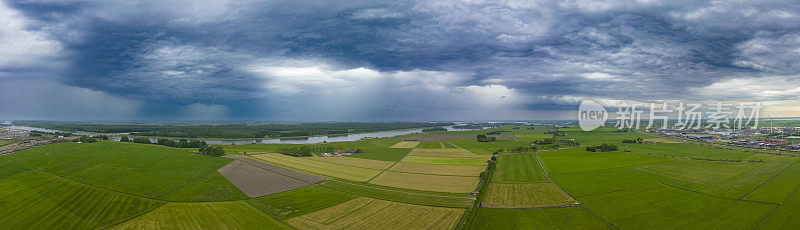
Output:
x,y
525,196
405,145
319,167
368,213
454,184
357,162
445,153
452,170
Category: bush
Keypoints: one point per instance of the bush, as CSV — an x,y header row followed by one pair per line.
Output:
x,y
602,148
484,138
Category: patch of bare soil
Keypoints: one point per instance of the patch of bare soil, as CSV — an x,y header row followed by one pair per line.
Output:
x,y
312,179
255,181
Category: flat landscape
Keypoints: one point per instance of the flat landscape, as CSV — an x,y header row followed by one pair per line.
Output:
x,y
400,114
446,183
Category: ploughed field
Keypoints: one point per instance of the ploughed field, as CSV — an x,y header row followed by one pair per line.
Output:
x,y
417,181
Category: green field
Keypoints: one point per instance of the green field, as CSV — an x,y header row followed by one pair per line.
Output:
x,y
138,169
211,187
546,218
38,200
518,168
665,207
300,201
525,196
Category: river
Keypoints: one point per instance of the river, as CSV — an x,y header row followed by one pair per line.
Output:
x,y
290,140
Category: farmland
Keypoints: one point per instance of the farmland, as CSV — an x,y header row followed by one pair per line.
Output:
x,y
439,183
300,201
443,153
452,170
320,167
405,144
546,218
525,196
518,168
394,184
356,162
206,215
368,213
445,160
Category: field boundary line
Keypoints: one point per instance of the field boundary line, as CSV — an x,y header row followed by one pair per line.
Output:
x,y
673,177
300,170
188,183
3,197
546,175
98,187
412,193
620,190
717,196
768,215
383,171
134,217
765,182
270,216
25,167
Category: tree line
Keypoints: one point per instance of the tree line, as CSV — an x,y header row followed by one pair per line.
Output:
x,y
231,130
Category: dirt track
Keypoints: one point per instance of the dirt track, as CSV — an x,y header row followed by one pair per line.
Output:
x,y
255,181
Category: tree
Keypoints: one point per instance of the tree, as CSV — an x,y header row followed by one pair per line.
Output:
x,y
142,140
484,138
602,148
197,144
86,139
167,142
183,144
211,150
124,139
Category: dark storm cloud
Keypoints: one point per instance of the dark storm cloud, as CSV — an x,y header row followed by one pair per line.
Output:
x,y
378,60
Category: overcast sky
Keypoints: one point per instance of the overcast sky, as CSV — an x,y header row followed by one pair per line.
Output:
x,y
393,60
